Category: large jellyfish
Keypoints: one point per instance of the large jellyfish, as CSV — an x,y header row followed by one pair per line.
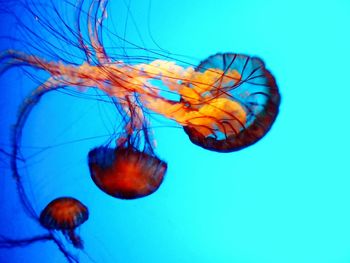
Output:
x,y
227,103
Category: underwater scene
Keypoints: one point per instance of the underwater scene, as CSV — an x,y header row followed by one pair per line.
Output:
x,y
174,131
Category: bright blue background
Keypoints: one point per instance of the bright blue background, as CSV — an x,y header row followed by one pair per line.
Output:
x,y
284,200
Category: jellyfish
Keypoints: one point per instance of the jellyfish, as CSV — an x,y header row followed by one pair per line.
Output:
x,y
126,173
225,107
63,214
248,103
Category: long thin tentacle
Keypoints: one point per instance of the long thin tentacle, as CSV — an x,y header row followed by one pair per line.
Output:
x,y
23,114
10,243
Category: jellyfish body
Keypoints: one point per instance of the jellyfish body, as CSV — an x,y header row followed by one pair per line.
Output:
x,y
253,92
126,173
65,214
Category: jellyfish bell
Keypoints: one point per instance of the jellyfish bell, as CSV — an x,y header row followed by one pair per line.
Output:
x,y
65,214
244,96
125,172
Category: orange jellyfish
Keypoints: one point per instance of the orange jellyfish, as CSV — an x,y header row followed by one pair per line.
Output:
x,y
227,103
243,98
63,214
126,173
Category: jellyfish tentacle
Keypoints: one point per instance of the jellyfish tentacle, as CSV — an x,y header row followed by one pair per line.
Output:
x,y
76,241
23,113
136,131
12,58
94,28
210,94
9,243
67,255
16,58
81,41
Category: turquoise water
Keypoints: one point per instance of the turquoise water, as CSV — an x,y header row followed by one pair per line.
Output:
x,y
282,200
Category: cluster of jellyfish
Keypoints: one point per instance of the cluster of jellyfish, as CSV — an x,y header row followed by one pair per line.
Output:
x,y
228,102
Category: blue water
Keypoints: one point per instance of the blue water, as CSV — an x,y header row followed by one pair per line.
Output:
x,y
283,200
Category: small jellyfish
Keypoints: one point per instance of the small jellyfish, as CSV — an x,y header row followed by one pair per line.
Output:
x,y
125,172
64,214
